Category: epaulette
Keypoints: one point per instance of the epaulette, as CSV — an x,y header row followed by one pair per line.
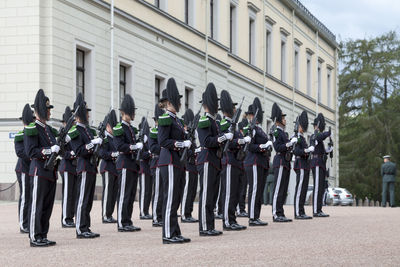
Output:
x,y
73,132
276,133
105,140
153,133
204,122
117,130
30,129
224,125
19,137
93,132
245,130
164,120
54,131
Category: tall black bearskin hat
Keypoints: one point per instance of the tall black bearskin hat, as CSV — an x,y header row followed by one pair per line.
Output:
x,y
83,109
67,114
173,95
188,116
41,104
303,121
146,130
218,117
276,113
163,96
27,115
128,105
157,112
257,105
210,99
320,121
112,118
243,123
226,103
250,110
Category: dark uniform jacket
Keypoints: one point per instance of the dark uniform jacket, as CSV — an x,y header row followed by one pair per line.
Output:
x,y
280,142
23,160
38,139
68,162
230,156
81,135
318,157
302,158
256,155
145,158
191,162
208,132
124,136
154,147
170,130
388,172
108,162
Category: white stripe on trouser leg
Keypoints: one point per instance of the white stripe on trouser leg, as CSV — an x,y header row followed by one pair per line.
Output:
x,y
253,196
33,208
185,192
299,188
22,206
219,194
156,193
227,193
169,201
278,184
121,197
79,209
316,188
142,190
65,198
204,197
105,198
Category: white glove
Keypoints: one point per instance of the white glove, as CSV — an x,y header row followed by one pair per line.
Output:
x,y
179,144
114,154
254,132
145,139
67,138
197,150
241,141
309,149
229,136
247,139
55,149
72,153
89,146
269,144
187,143
136,147
293,140
329,149
46,151
221,139
266,145
97,141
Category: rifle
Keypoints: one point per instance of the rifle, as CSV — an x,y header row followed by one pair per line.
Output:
x,y
331,145
144,124
50,162
242,153
312,137
191,129
232,128
289,154
271,138
101,128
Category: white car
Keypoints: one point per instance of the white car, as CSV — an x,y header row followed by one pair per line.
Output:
x,y
346,198
332,198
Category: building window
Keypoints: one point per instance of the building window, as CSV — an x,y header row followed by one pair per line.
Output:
x,y
309,84
319,81
212,19
252,43
268,52
283,60
188,98
80,71
157,89
161,4
122,82
187,11
157,3
329,96
296,67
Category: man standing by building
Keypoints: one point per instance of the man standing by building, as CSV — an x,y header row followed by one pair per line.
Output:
x,y
388,172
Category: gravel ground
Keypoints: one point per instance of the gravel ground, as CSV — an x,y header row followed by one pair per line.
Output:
x,y
367,236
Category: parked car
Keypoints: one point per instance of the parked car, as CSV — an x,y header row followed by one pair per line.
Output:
x,y
332,197
346,198
309,195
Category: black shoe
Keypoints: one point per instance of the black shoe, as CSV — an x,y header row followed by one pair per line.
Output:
x,y
146,217
302,217
172,240
242,227
209,233
68,225
24,231
218,216
135,228
242,214
94,234
257,222
50,243
216,232
281,219
185,239
320,214
85,235
189,220
109,220
128,228
38,243
157,224
234,227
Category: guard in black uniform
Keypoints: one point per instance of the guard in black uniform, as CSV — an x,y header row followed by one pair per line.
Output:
x,y
155,170
109,154
209,161
40,143
83,144
256,165
125,142
302,168
218,200
283,148
191,177
241,207
146,179
231,167
318,163
67,170
171,137
22,171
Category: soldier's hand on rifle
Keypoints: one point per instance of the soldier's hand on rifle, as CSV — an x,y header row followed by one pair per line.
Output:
x,y
179,144
67,138
329,149
224,137
89,146
97,141
197,150
247,139
309,149
145,139
137,146
187,143
55,149
72,153
266,145
114,154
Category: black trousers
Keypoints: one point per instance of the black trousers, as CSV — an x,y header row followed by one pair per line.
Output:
x,y
282,176
209,184
43,192
189,194
127,181
241,207
69,197
86,185
268,192
319,188
110,192
230,176
146,192
157,196
302,178
218,198
173,180
24,202
256,177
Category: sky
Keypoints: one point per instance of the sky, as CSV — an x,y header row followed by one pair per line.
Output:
x,y
356,18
